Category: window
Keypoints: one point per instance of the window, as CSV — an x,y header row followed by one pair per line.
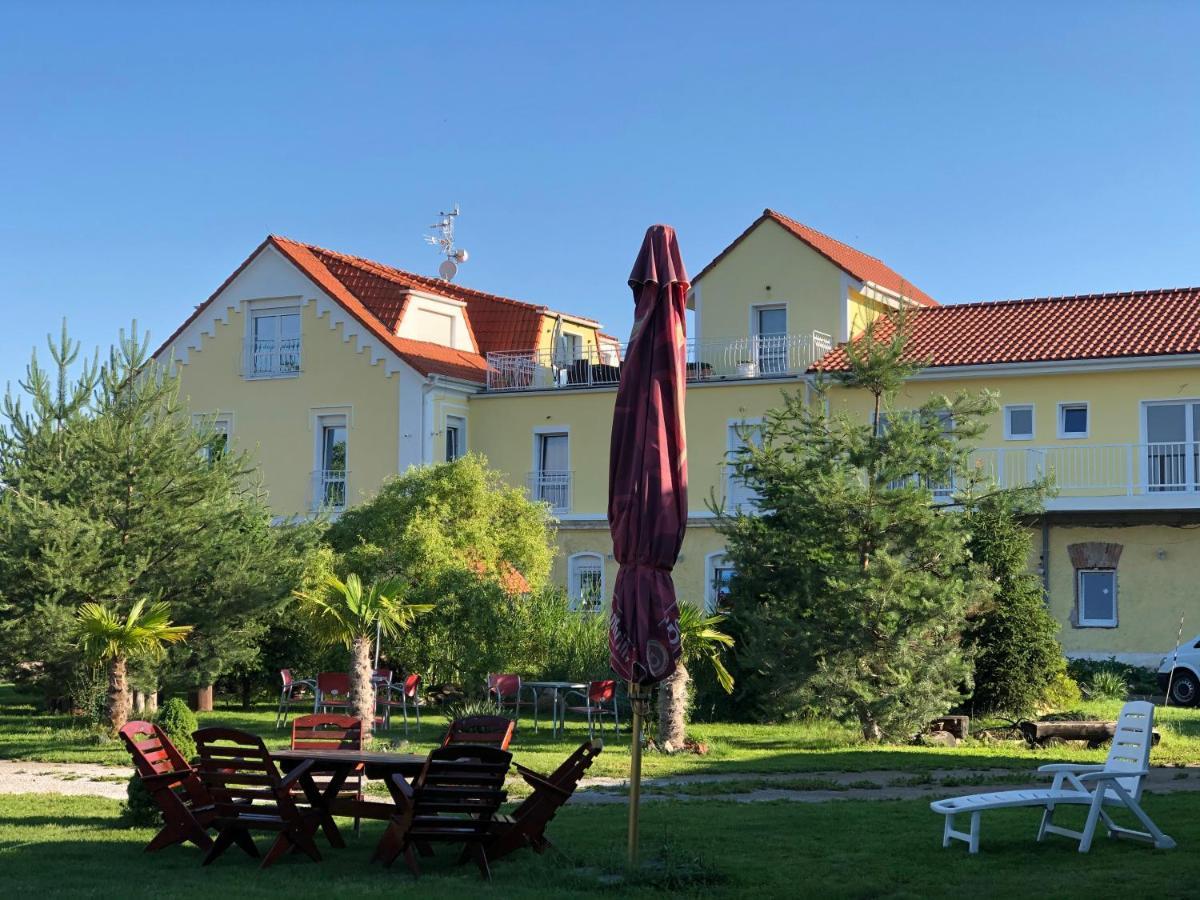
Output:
x,y
456,437
217,429
551,480
572,347
718,577
1097,597
1018,422
770,339
274,343
332,459
1073,420
737,492
585,576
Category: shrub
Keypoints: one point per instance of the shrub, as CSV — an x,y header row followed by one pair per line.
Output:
x,y
1062,693
179,722
89,693
1107,684
140,808
1137,679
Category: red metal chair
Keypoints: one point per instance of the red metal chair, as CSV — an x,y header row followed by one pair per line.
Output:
x,y
333,691
392,696
187,807
330,731
294,691
600,701
505,690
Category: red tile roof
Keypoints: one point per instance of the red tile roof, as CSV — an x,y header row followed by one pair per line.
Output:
x,y
1047,329
376,295
853,262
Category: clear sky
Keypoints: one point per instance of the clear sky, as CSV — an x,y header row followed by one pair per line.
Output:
x,y
1013,150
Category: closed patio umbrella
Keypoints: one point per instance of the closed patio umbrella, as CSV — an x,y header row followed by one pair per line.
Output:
x,y
647,486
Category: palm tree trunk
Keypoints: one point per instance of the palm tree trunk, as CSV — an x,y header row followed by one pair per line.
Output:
x,y
118,694
361,686
672,709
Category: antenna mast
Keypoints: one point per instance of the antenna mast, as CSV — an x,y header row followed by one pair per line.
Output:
x,y
443,239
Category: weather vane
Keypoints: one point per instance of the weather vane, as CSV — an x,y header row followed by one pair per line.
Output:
x,y
443,239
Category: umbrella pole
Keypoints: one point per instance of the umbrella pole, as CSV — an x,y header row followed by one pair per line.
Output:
x,y
639,700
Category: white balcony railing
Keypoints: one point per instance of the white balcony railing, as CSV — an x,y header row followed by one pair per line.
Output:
x,y
329,489
767,356
1098,470
271,359
552,486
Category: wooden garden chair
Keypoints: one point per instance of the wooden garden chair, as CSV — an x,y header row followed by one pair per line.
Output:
x,y
330,731
250,795
526,827
1116,783
487,731
187,806
454,799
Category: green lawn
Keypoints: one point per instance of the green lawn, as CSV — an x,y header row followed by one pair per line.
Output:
x,y
28,734
76,847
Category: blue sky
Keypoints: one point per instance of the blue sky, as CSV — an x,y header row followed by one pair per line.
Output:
x,y
1017,150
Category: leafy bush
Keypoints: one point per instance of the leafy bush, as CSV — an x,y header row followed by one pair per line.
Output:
x,y
1062,693
178,722
1137,679
89,693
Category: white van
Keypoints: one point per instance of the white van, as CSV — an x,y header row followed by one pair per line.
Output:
x,y
1184,683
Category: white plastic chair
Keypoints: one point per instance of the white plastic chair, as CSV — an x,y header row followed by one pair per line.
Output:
x,y
1116,783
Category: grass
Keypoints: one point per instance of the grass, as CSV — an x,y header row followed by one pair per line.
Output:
x,y
70,847
26,733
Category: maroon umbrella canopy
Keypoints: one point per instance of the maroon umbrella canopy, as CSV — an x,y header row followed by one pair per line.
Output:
x,y
647,476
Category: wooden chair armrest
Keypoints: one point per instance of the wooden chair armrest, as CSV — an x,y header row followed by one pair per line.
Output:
x,y
167,777
403,786
296,773
534,780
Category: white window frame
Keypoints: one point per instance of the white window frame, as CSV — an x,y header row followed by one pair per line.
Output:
x,y
1073,436
460,424
574,587
536,470
220,422
322,418
713,561
1010,435
1096,623
271,307
733,444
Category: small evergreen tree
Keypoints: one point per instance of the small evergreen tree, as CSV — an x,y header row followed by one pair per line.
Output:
x,y
1018,658
853,582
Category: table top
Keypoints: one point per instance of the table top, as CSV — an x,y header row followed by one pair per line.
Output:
x,y
370,757
554,684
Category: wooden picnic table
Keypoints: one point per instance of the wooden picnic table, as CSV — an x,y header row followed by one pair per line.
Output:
x,y
340,764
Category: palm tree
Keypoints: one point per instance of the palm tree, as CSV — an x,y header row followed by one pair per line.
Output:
x,y
701,642
342,612
108,640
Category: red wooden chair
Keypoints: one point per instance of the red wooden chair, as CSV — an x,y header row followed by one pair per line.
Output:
x,y
333,691
488,731
294,692
599,701
250,795
526,827
187,807
505,691
453,800
330,731
399,696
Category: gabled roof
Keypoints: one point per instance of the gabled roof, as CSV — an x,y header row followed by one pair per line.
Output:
x,y
1047,329
851,261
376,296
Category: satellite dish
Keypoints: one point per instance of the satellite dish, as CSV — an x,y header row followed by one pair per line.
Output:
x,y
447,270
460,255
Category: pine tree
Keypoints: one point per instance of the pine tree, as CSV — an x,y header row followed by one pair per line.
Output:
x,y
112,497
853,579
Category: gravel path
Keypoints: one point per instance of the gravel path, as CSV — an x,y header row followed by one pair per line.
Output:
x,y
801,787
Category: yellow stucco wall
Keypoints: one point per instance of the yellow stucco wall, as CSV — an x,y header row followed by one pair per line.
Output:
x,y
770,266
586,333
274,417
863,311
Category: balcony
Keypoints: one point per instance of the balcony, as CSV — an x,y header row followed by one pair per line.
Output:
x,y
1102,476
766,356
271,358
553,487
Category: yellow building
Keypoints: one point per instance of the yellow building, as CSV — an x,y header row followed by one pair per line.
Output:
x,y
340,371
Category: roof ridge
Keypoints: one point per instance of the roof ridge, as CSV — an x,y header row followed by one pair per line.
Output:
x,y
1060,298
775,214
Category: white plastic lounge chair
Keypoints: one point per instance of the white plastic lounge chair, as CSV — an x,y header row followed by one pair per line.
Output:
x,y
1116,783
